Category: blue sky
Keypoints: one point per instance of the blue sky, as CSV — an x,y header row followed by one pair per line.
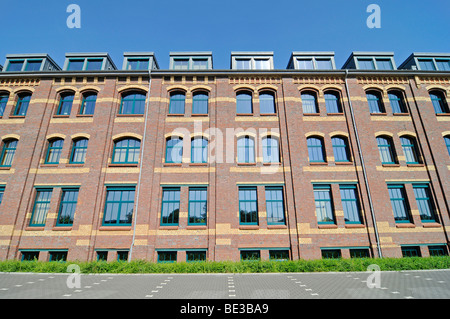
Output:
x,y
282,26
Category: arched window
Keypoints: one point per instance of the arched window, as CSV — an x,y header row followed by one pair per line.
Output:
x,y
309,102
199,150
386,149
244,104
65,103
316,150
132,103
375,102
23,100
126,151
271,153
397,102
3,101
177,101
439,102
447,143
409,147
79,149
8,151
267,103
340,149
246,149
200,103
88,103
54,151
174,150
333,102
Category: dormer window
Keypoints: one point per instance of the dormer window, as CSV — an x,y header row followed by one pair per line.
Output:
x,y
370,61
312,61
29,63
88,62
252,60
190,60
139,61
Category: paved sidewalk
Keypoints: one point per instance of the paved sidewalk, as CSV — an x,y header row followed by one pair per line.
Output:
x,y
353,285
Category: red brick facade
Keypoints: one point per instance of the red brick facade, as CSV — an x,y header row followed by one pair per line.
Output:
x,y
223,237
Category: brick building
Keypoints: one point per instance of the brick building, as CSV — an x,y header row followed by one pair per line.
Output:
x,y
196,163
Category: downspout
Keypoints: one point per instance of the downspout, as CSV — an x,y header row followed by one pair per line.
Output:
x,y
363,168
140,165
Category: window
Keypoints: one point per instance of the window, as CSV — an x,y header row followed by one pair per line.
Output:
x,y
195,255
3,102
425,203
119,206
174,150
200,103
65,104
94,64
305,64
138,64
375,102
122,255
199,150
411,251
262,64
350,204
386,150
54,151
126,151
79,149
397,102
41,206
33,65
267,103
67,207
30,255
426,64
244,104
181,64
332,102
324,64
197,205
102,255
199,64
309,102
331,253
438,250
366,64
359,253
279,254
75,65
324,205
439,102
177,100
247,255
246,150
340,149
248,206
8,151
167,256
23,102
170,207
447,143
88,103
316,151
58,256
271,153
132,103
399,203
243,64
2,191
410,150
275,205
15,65
443,65
384,64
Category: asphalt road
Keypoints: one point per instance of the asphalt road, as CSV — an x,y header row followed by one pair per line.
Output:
x,y
433,284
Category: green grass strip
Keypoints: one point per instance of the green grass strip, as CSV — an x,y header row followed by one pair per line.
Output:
x,y
320,265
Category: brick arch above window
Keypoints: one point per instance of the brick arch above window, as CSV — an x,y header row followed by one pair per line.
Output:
x,y
10,136
126,135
